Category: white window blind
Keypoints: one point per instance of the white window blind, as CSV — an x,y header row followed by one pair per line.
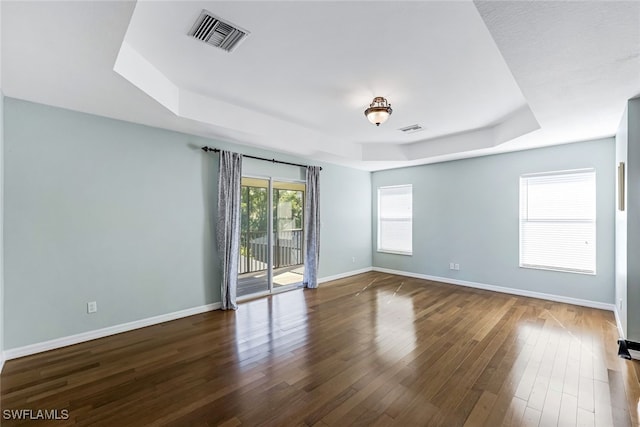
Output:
x,y
395,219
558,221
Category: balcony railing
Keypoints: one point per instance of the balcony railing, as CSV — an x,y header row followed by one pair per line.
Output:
x,y
288,249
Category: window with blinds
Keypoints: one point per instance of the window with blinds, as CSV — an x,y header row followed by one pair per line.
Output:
x,y
558,221
395,219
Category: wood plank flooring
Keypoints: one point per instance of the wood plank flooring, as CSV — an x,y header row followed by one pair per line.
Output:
x,y
373,349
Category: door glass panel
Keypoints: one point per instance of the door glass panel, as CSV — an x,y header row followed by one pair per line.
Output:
x,y
253,268
288,241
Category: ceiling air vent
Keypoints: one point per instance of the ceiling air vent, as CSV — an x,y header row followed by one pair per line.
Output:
x,y
411,129
217,32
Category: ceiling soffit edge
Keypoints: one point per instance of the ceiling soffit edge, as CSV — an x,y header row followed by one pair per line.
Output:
x,y
516,124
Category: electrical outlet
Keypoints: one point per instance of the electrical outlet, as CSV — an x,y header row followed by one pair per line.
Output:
x,y
92,307
456,267
451,266
620,304
353,259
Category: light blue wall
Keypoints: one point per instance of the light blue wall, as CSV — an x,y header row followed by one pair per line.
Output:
x,y
467,212
122,214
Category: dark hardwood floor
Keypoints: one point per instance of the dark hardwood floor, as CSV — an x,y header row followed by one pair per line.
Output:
x,y
373,349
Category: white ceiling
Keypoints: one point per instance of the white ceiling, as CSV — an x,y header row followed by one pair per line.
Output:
x,y
481,78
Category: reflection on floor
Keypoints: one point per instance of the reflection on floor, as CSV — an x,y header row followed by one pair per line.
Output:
x,y
251,283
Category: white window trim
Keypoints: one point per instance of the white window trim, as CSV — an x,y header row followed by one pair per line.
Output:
x,y
391,251
520,221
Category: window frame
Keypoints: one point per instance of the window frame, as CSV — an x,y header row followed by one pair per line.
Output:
x,y
522,220
379,221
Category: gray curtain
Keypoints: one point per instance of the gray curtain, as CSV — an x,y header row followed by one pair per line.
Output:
x,y
312,228
228,230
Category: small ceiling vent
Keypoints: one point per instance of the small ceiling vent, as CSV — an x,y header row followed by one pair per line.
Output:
x,y
411,129
217,32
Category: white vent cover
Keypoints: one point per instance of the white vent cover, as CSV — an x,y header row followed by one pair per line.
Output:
x,y
217,32
411,129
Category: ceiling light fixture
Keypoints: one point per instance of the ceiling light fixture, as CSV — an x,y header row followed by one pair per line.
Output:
x,y
379,111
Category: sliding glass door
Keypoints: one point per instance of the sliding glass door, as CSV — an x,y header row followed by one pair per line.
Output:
x,y
253,268
288,241
271,239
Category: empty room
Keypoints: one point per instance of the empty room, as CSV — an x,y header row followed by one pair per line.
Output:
x,y
320,213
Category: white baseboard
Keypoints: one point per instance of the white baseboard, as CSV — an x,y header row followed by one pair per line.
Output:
x,y
343,275
505,290
27,350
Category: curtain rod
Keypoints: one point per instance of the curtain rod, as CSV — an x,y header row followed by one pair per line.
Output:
x,y
217,150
